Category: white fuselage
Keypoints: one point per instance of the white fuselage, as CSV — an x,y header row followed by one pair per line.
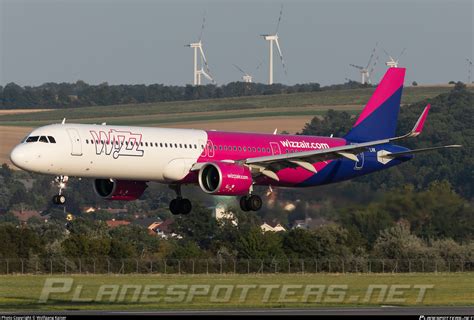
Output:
x,y
138,153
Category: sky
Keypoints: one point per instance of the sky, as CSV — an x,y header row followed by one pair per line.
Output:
x,y
143,41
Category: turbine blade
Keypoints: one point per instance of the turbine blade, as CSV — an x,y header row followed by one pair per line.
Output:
x,y
208,74
401,54
281,56
279,19
373,67
372,55
202,26
240,69
357,67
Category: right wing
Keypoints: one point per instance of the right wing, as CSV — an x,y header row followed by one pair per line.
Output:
x,y
268,165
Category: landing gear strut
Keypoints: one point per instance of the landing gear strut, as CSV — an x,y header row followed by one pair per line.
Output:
x,y
179,205
250,203
61,183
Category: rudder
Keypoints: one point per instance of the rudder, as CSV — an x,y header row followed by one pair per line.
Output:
x,y
378,119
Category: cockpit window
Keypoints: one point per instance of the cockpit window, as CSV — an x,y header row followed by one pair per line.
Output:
x,y
43,139
32,139
51,139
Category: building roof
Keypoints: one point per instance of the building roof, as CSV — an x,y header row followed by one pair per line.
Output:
x,y
24,215
272,226
165,225
146,222
115,223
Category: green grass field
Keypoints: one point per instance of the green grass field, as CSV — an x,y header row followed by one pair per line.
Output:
x,y
215,109
22,292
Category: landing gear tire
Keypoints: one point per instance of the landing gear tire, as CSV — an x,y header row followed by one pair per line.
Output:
x,y
175,207
186,206
61,182
59,199
244,204
180,206
253,203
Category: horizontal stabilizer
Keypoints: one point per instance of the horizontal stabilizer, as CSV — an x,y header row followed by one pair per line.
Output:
x,y
410,152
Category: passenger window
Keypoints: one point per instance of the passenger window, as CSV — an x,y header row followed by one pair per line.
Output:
x,y
51,139
161,144
43,139
32,139
180,146
258,149
240,148
146,144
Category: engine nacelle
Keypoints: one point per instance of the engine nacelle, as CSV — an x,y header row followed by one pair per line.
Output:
x,y
222,178
112,189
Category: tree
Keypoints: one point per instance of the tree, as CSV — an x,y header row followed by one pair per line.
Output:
x,y
198,226
398,243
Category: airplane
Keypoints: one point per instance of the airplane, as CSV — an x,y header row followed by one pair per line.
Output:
x,y
124,159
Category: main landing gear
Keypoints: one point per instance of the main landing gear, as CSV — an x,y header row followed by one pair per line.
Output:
x,y
250,203
61,183
179,205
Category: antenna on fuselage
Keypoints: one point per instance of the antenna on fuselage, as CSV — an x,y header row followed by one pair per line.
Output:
x,y
64,121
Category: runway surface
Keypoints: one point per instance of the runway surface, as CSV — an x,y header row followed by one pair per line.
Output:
x,y
388,310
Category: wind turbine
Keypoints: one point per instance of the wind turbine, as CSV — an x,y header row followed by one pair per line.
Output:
x,y
199,71
469,70
246,77
273,38
365,72
392,63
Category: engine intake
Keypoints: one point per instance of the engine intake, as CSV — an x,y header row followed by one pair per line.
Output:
x,y
112,189
221,178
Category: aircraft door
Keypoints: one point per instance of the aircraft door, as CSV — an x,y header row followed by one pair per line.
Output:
x,y
275,148
76,145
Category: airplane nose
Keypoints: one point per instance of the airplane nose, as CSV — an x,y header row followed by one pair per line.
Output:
x,y
17,156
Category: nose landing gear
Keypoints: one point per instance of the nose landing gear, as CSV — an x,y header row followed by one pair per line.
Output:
x,y
179,205
61,183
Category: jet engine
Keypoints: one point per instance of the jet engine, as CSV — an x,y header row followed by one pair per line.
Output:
x,y
112,189
222,178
